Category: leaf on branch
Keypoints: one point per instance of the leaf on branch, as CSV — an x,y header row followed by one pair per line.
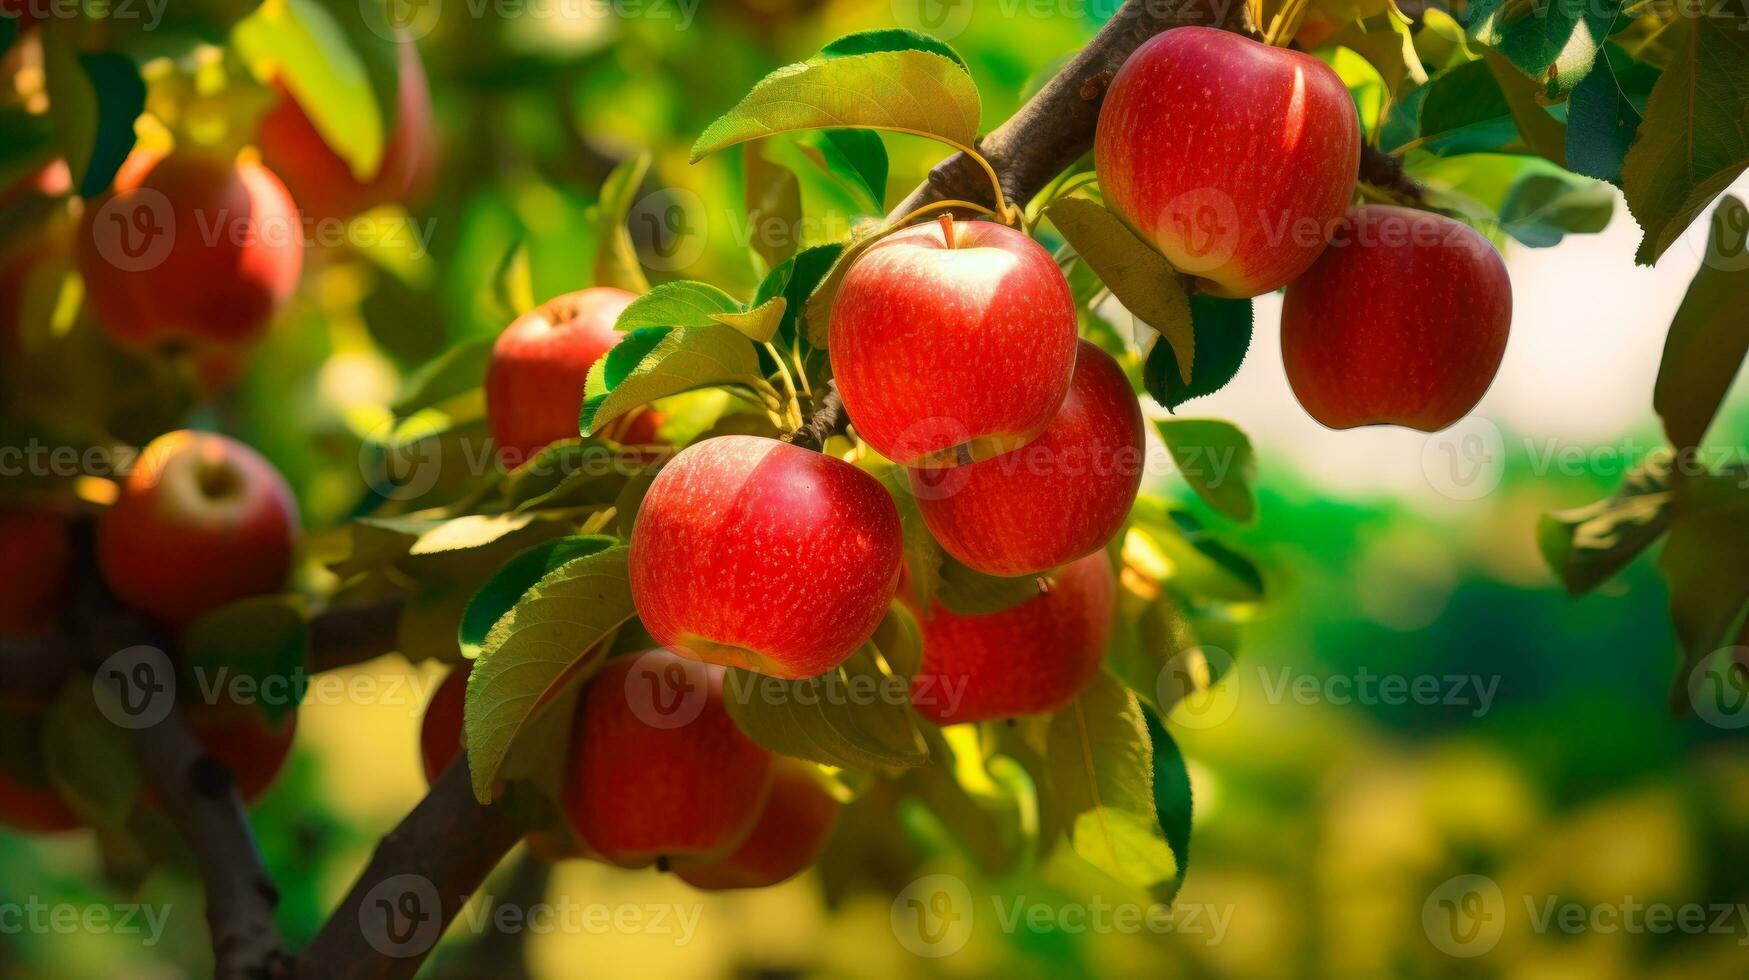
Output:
x,y
832,719
772,193
94,99
552,637
817,316
1604,113
857,157
969,592
1216,460
1585,546
1170,547
1173,801
263,640
1553,43
1461,110
1710,334
1693,142
1543,208
513,283
656,362
1100,762
676,304
512,581
1542,133
923,556
795,280
1223,334
455,372
759,324
469,531
616,258
1706,562
1141,278
893,80
88,758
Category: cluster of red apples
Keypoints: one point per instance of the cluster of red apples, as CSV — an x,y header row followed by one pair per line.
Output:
x,y
1238,160
200,521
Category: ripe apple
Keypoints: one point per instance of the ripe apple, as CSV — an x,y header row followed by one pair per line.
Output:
x,y
659,771
1030,659
322,182
202,520
246,744
1055,499
1231,156
749,552
952,341
534,384
190,249
36,560
788,837
1402,321
440,734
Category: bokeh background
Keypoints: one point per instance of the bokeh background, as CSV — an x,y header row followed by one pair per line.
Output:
x,y
1332,805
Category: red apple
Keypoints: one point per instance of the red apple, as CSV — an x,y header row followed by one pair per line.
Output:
x,y
952,341
786,840
1402,321
36,560
1231,156
440,734
246,744
659,771
190,249
534,385
749,552
201,521
1055,499
1030,659
323,183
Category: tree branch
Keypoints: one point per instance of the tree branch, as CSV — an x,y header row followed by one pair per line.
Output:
x,y
828,420
420,876
347,635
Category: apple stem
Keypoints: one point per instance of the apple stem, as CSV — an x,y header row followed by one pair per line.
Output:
x,y
947,228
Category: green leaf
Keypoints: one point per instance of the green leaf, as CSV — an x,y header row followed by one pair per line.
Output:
x,y
1710,334
1554,42
772,195
456,371
1173,801
817,316
1216,460
677,304
93,100
1706,561
1541,209
88,758
795,280
261,642
1191,560
1141,278
1587,545
655,363
469,531
1604,113
894,39
1693,142
759,324
1223,335
308,49
1542,133
857,157
1101,766
905,91
831,719
616,258
508,585
550,638
513,285
1464,111
922,555
969,592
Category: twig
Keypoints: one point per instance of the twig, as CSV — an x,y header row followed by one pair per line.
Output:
x,y
420,876
347,635
828,420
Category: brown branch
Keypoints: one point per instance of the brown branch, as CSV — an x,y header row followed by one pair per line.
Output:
x,y
193,789
1383,170
347,635
420,876
828,420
